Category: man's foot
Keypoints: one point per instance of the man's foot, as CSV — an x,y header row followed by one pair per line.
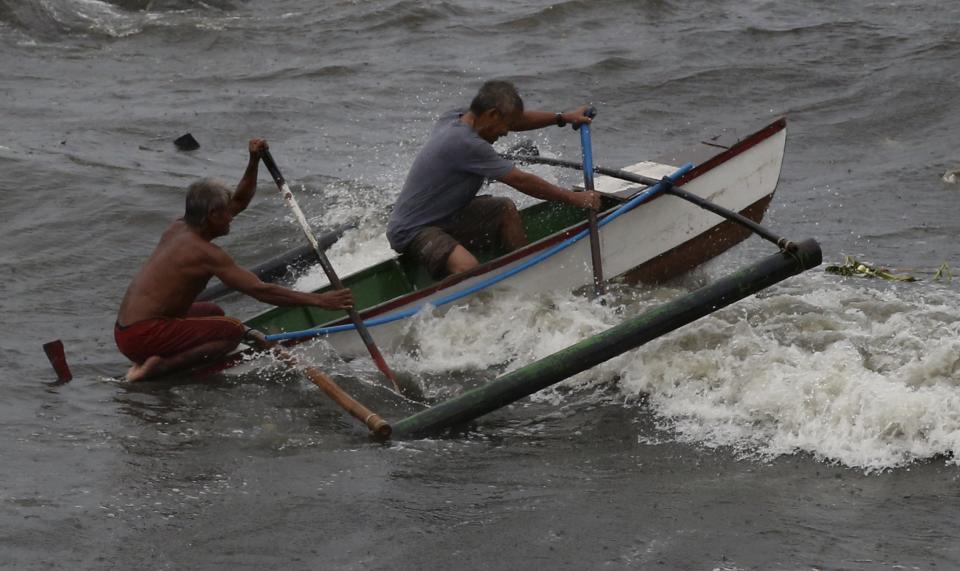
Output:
x,y
143,370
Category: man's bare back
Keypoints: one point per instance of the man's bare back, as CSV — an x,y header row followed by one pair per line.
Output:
x,y
171,278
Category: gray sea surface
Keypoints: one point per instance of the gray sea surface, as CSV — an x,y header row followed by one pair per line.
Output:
x,y
813,426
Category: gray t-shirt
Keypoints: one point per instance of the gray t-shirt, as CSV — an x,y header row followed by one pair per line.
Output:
x,y
446,175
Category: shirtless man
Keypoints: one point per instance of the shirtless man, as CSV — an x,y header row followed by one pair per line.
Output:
x,y
159,327
438,216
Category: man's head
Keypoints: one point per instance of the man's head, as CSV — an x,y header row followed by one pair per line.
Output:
x,y
208,207
496,107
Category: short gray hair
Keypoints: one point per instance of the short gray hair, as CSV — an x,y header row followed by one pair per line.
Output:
x,y
203,197
499,95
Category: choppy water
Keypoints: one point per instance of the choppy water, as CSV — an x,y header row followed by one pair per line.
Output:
x,y
811,426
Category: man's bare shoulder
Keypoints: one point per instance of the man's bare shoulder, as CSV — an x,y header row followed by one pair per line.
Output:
x,y
185,243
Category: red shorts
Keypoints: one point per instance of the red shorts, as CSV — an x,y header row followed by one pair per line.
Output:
x,y
167,337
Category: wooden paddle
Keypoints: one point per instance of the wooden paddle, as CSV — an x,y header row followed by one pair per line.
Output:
x,y
328,269
379,427
599,288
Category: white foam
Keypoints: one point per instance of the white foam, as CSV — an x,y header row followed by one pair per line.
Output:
x,y
95,15
502,329
863,377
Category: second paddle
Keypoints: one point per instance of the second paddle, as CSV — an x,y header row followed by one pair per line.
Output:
x,y
329,271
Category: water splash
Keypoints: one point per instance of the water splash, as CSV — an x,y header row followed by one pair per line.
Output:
x,y
864,377
850,372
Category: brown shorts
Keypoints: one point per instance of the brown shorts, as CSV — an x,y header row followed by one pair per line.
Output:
x,y
478,226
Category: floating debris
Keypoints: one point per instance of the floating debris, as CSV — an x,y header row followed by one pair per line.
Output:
x,y
943,272
953,177
853,267
186,143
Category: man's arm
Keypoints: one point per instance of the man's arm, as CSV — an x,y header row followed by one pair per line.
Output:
x,y
248,183
540,119
532,185
247,282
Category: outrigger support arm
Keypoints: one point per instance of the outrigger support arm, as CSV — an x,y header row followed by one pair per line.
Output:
x,y
379,428
782,243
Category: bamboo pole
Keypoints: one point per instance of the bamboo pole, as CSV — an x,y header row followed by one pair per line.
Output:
x,y
379,427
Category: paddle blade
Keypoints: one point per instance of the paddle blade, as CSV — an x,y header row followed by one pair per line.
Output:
x,y
406,387
58,359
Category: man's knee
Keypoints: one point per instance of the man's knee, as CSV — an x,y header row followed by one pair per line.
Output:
x,y
235,334
214,337
502,201
222,347
510,215
205,309
512,233
502,207
461,260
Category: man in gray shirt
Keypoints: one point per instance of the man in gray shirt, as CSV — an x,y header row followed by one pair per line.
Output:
x,y
438,213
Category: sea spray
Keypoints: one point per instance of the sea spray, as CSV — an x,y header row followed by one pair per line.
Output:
x,y
859,381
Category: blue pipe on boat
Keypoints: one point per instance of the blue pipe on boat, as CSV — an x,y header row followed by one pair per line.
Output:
x,y
587,151
625,207
596,257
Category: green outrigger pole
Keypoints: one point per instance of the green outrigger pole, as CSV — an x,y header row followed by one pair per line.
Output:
x,y
612,342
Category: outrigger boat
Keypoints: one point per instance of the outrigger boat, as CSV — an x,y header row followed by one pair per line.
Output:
x,y
646,236
649,230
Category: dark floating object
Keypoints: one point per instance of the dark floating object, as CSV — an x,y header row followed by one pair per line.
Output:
x,y
628,335
187,143
58,359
